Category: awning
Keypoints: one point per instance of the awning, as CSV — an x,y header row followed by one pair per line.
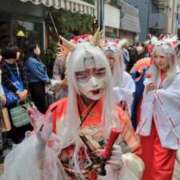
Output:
x,y
70,5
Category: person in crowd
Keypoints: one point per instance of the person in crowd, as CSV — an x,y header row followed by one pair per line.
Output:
x,y
2,95
138,72
133,55
11,68
159,117
141,51
59,72
123,45
2,103
123,86
37,76
88,110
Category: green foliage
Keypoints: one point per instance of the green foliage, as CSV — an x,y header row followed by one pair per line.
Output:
x,y
90,1
48,57
69,23
114,2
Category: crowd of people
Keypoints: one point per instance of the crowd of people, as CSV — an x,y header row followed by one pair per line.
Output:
x,y
99,85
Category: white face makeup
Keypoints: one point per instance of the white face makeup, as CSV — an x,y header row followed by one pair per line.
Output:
x,y
91,77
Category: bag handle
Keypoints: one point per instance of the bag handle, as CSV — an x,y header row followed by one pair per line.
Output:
x,y
12,74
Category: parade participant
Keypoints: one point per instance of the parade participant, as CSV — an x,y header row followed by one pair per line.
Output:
x,y
123,45
60,90
138,72
89,107
123,84
159,120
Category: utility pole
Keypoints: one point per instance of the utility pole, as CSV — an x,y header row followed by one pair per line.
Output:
x,y
100,13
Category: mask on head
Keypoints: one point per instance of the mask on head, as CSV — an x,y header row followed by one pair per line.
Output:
x,y
90,76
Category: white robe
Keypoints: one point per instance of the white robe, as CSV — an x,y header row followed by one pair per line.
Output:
x,y
24,163
124,92
163,106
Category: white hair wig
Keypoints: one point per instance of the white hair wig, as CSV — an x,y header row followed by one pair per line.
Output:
x,y
70,128
118,66
170,54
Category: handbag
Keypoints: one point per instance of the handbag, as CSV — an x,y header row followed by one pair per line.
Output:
x,y
19,115
5,120
11,97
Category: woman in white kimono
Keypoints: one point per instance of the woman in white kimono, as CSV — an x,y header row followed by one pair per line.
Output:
x,y
159,125
123,84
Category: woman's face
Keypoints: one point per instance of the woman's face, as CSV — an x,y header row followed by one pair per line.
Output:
x,y
18,55
161,61
37,51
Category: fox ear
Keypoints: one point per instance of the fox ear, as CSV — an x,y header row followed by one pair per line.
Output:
x,y
95,40
71,46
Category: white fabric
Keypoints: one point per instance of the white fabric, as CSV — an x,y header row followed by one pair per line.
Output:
x,y
125,91
163,106
26,162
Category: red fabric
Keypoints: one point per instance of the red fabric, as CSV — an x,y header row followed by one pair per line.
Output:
x,y
159,161
94,119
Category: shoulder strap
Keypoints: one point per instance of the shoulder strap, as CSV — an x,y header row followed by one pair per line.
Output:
x,y
12,74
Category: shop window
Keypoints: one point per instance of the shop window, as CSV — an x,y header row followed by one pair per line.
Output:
x,y
28,32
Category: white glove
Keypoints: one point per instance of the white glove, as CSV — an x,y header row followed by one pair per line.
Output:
x,y
134,164
116,158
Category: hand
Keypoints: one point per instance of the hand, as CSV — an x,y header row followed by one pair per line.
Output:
x,y
2,99
22,95
116,158
151,86
41,123
123,105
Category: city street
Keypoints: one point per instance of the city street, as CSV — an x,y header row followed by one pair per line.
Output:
x,y
89,88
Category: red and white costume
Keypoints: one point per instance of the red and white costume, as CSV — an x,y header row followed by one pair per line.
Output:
x,y
64,156
159,125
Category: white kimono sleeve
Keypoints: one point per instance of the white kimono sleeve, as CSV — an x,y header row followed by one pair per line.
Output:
x,y
25,162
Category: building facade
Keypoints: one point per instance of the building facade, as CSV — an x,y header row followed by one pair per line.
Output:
x,y
163,17
121,20
29,18
144,10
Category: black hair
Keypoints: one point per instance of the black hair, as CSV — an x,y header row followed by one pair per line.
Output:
x,y
31,48
10,52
